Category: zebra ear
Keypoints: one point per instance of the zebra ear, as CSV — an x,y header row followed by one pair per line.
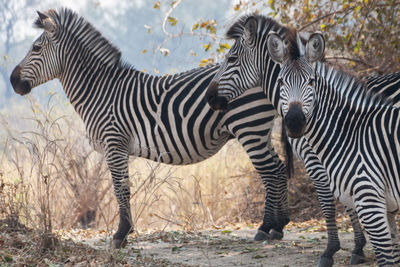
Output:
x,y
315,47
250,30
277,48
47,22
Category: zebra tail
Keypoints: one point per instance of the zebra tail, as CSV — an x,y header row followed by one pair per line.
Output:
x,y
288,151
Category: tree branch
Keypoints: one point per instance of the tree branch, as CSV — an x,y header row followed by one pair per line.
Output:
x,y
349,9
351,59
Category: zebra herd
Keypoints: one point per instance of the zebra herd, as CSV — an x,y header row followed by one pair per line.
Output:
x,y
351,128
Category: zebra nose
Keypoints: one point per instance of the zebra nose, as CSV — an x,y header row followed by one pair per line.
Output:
x,y
215,101
295,120
20,86
15,76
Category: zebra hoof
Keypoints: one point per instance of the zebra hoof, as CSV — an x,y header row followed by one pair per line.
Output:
x,y
325,262
275,235
261,236
357,259
118,243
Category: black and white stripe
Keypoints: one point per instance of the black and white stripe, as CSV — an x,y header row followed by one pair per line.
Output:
x,y
128,112
247,64
356,136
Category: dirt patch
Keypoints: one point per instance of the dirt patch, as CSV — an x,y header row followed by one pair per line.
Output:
x,y
302,245
236,248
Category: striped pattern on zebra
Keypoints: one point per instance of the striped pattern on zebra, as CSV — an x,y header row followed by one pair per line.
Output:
x,y
128,112
355,133
248,64
388,85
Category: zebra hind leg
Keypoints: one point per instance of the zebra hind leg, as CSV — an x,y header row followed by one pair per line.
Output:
x,y
394,233
118,165
357,256
376,224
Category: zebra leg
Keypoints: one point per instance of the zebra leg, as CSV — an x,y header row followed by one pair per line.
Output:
x,y
117,159
276,209
394,233
318,175
327,204
357,256
274,177
373,215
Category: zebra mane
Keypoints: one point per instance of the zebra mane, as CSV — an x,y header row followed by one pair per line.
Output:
x,y
265,24
349,85
90,39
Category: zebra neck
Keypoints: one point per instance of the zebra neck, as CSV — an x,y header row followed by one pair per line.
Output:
x,y
269,77
339,115
82,81
86,84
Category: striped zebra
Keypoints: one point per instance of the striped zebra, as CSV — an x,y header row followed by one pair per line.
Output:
x,y
356,135
246,65
128,112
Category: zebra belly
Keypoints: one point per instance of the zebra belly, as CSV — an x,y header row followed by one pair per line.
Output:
x,y
160,153
347,198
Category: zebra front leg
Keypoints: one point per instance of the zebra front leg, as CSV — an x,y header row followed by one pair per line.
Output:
x,y
274,177
117,160
357,256
318,175
276,214
327,204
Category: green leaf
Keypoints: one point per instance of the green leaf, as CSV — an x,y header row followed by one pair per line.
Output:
x,y
195,26
207,46
357,48
172,21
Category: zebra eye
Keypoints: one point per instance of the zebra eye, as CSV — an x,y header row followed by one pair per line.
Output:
x,y
311,82
36,48
232,58
280,82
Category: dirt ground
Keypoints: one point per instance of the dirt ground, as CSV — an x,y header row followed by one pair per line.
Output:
x,y
301,246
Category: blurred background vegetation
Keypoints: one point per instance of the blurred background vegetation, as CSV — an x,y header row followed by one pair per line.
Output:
x,y
50,178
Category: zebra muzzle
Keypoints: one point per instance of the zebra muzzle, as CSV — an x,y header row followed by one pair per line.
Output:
x,y
215,101
295,121
21,87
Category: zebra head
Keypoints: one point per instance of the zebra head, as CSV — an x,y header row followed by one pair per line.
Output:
x,y
43,62
296,80
244,63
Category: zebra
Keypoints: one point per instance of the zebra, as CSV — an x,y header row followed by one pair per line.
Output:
x,y
356,135
246,65
161,118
